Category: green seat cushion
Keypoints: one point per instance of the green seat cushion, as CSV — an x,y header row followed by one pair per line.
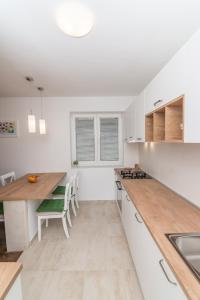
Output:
x,y
1,208
51,206
60,190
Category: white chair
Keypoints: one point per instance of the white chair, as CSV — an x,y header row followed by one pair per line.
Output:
x,y
76,189
7,178
55,209
4,179
73,183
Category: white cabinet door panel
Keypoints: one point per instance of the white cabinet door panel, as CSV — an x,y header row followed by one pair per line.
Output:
x,y
140,119
15,293
130,122
156,278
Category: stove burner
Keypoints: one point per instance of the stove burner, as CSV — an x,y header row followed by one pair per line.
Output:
x,y
132,174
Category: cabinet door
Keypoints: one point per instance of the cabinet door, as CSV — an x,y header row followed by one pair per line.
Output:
x,y
156,278
140,119
155,96
127,123
130,123
124,214
153,99
132,233
15,293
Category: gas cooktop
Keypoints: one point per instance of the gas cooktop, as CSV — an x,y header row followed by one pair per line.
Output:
x,y
134,174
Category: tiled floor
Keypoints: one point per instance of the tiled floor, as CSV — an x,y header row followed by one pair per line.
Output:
x,y
93,264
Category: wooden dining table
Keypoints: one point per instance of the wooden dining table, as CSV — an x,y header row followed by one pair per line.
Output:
x,y
21,199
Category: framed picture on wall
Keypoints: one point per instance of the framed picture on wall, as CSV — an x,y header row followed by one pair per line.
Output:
x,y
8,128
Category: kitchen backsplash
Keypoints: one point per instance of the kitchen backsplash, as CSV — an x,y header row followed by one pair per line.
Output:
x,y
175,165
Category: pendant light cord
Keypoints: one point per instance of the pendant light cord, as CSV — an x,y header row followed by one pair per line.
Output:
x,y
40,89
41,101
30,80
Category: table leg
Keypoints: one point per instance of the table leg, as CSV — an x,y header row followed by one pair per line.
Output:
x,y
16,225
20,223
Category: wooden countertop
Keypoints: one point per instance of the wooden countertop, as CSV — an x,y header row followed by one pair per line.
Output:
x,y
163,211
8,274
21,189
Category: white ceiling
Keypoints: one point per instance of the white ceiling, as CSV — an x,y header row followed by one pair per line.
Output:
x,y
130,42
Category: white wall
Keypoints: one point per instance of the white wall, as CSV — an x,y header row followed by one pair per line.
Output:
x,y
178,165
175,165
35,153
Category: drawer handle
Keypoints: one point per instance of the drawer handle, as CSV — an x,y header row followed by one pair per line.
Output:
x,y
127,198
119,186
163,269
136,216
157,102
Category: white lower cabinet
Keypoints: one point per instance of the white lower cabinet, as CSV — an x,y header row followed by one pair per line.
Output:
x,y
156,278
15,293
124,214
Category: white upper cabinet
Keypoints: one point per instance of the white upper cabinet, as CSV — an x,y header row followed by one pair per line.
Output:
x,y
154,98
135,120
139,119
130,123
180,77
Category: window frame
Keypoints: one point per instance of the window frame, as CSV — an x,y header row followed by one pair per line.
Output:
x,y
96,116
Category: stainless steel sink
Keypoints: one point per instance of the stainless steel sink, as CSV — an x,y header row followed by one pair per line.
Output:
x,y
188,246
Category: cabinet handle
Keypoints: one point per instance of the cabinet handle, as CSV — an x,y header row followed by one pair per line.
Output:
x,y
163,269
127,198
139,139
136,216
157,102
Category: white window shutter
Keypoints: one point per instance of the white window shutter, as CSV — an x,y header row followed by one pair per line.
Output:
x,y
109,139
85,139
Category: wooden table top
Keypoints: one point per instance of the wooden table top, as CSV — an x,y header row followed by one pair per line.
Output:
x,y
164,211
8,274
21,189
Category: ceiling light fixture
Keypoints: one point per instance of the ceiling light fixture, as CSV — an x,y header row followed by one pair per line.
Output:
x,y
42,123
74,18
31,116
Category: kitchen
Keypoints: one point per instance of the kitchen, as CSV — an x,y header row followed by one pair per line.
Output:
x,y
127,122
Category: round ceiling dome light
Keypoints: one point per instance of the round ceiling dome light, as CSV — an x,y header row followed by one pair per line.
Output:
x,y
74,19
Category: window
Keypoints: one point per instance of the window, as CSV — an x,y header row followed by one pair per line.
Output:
x,y
97,139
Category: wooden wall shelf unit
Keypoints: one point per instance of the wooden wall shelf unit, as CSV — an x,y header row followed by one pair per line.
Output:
x,y
149,128
166,124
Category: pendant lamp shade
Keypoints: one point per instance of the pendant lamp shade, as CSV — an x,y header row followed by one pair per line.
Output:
x,y
31,123
42,126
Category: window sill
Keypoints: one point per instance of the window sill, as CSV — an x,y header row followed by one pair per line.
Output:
x,y
98,166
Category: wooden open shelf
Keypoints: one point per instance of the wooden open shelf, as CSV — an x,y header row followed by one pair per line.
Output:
x,y
149,128
166,124
174,121
159,125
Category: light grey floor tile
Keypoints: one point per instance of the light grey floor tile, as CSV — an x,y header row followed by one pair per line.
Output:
x,y
94,263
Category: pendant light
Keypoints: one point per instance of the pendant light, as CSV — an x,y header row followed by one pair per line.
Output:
x,y
42,123
31,116
31,123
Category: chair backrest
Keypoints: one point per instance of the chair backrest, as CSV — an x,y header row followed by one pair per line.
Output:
x,y
7,178
75,183
68,194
